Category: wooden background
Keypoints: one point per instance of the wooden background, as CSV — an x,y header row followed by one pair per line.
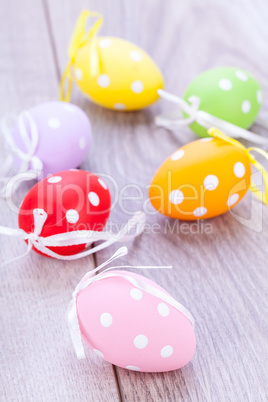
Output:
x,y
220,276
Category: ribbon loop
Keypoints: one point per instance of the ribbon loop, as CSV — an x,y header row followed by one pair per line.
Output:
x,y
79,38
203,118
262,196
77,237
30,138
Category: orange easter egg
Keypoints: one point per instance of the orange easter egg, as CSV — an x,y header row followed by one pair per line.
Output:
x,y
200,180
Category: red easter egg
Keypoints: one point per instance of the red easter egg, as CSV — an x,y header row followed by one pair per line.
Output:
x,y
73,200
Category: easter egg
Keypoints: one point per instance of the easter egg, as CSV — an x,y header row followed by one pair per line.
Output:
x,y
202,179
132,328
73,200
128,78
64,134
229,93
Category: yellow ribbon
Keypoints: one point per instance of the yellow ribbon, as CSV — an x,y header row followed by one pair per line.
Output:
x,y
262,196
79,38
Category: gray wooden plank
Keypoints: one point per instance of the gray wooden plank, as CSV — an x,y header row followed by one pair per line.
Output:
x,y
219,266
38,362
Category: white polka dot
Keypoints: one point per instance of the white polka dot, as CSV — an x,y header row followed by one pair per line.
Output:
x,y
141,341
54,179
94,199
211,182
206,139
78,74
106,320
103,80
137,87
232,199
246,106
176,197
136,294
200,211
135,55
98,353
53,122
225,84
259,96
241,75
177,155
163,309
134,368
119,106
82,143
69,107
105,42
72,216
167,351
239,169
102,183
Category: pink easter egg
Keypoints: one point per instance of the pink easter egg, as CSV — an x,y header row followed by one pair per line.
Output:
x,y
132,328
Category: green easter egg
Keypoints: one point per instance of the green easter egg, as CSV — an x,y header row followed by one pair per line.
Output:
x,y
229,93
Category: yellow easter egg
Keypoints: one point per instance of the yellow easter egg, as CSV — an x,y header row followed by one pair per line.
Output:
x,y
128,78
202,179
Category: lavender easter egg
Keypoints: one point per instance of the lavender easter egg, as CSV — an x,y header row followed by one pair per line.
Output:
x,y
133,328
64,134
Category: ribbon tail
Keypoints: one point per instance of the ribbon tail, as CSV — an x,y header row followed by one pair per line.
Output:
x,y
71,316
65,96
29,247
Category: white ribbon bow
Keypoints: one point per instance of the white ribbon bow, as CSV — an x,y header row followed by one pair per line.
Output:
x,y
89,278
10,184
72,238
204,119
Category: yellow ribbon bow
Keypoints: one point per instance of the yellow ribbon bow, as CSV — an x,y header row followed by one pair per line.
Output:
x,y
262,196
79,38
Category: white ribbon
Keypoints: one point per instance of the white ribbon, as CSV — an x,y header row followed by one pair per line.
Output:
x,y
72,238
204,119
30,141
89,278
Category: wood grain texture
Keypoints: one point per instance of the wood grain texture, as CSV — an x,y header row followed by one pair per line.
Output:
x,y
220,265
37,359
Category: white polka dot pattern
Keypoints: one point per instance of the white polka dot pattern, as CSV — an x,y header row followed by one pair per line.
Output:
x,y
133,368
54,179
93,198
135,55
176,197
136,294
246,106
103,80
239,169
177,155
106,320
225,84
72,216
211,182
53,122
241,75
167,351
200,211
141,341
137,87
163,309
119,106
